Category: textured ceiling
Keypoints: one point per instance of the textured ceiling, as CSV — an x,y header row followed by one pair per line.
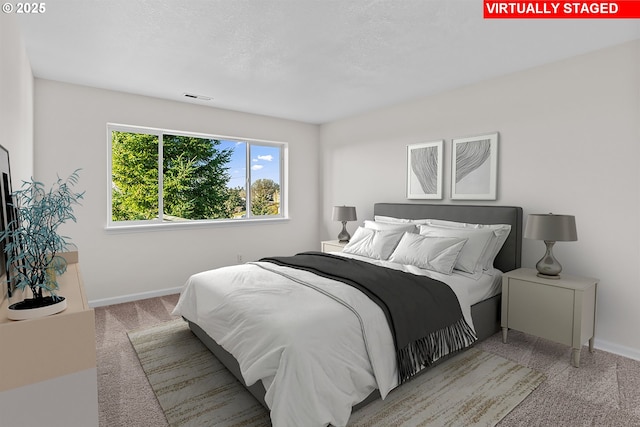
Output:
x,y
308,60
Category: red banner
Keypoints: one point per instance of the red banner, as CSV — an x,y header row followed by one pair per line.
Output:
x,y
516,9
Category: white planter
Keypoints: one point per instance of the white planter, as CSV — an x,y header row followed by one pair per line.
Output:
x,y
34,313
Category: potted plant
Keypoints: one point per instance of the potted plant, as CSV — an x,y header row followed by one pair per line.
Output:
x,y
32,244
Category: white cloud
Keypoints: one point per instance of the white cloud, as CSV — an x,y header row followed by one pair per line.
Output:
x,y
256,167
266,158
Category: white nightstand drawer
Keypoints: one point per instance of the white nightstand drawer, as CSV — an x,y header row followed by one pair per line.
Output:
x,y
544,311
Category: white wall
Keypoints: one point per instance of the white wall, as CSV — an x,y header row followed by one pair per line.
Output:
x,y
16,100
16,104
569,143
70,133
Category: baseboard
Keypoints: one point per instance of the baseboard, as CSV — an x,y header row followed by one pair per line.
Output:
x,y
133,297
621,350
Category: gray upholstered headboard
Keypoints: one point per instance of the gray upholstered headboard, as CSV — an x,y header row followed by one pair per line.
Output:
x,y
509,256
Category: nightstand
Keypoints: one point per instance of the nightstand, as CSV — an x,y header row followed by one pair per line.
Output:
x,y
561,310
331,246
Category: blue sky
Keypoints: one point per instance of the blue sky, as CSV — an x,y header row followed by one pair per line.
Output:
x,y
265,162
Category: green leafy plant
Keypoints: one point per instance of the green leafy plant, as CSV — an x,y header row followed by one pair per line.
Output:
x,y
32,242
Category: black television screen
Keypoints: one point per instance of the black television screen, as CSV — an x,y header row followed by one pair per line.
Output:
x,y
7,214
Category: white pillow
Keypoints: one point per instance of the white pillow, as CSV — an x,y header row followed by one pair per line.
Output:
x,y
432,253
390,219
376,244
361,243
472,256
501,232
501,236
376,225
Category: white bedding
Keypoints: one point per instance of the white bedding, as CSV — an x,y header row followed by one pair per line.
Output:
x,y
319,349
487,286
478,287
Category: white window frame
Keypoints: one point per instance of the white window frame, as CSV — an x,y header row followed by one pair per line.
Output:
x,y
159,223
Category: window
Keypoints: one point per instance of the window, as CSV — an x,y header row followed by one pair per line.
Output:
x,y
159,176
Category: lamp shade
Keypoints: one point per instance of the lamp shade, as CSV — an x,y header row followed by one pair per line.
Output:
x,y
550,227
344,213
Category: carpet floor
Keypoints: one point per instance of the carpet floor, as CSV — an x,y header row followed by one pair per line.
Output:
x,y
604,391
474,388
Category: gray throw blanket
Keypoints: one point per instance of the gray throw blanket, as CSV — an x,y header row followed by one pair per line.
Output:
x,y
424,314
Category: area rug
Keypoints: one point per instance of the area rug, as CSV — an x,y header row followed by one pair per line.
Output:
x,y
474,388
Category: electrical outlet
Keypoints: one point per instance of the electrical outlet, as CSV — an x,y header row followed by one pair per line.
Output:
x,y
239,258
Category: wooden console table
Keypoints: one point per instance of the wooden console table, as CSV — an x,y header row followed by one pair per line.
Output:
x,y
48,370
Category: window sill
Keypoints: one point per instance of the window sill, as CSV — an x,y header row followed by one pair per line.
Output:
x,y
166,226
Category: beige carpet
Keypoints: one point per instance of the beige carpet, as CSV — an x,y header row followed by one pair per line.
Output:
x,y
474,388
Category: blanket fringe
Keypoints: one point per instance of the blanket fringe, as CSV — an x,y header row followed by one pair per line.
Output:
x,y
425,351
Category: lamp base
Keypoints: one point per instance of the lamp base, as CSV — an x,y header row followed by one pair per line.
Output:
x,y
549,267
344,235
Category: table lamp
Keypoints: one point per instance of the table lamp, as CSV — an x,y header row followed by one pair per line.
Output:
x,y
550,228
344,214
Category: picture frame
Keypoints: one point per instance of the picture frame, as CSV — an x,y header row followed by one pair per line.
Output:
x,y
474,167
424,170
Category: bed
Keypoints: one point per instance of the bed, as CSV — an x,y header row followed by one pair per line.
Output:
x,y
204,320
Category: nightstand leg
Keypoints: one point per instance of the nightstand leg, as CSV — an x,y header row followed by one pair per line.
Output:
x,y
504,335
591,350
575,357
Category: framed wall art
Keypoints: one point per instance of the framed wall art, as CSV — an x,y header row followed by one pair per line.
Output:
x,y
424,170
474,167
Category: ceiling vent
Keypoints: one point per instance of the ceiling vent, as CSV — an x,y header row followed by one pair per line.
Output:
x,y
200,97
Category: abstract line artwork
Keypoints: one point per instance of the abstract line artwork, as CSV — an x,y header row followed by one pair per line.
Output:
x,y
474,167
424,170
